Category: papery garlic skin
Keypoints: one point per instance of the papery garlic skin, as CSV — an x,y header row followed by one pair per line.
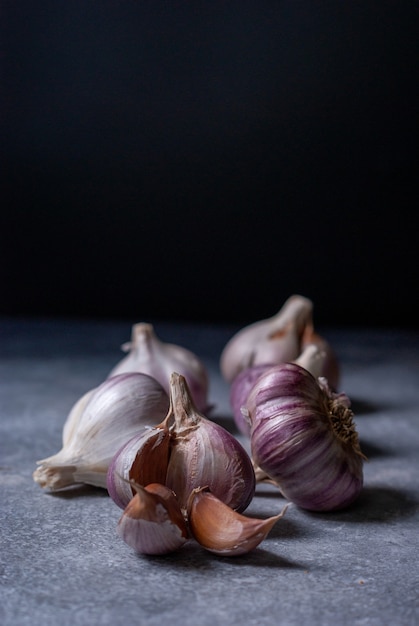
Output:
x,y
143,459
274,340
304,437
152,522
148,354
205,453
222,531
114,413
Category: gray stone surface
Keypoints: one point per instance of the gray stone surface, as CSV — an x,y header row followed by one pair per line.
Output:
x,y
61,561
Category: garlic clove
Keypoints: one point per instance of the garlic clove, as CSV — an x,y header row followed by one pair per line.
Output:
x,y
152,523
114,413
203,452
220,529
274,340
303,436
148,354
143,459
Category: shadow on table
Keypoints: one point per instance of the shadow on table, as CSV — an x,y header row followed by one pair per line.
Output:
x,y
375,504
193,556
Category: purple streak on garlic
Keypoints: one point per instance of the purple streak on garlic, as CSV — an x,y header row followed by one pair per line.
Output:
x,y
204,453
304,438
240,389
143,459
312,359
112,414
148,354
273,340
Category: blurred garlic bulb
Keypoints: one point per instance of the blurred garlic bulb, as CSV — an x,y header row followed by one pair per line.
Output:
x,y
152,522
105,419
148,354
303,437
275,340
219,529
205,453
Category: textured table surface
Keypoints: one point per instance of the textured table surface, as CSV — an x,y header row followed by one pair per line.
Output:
x,y
61,561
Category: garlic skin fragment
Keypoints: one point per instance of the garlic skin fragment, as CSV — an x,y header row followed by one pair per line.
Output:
x,y
148,354
303,437
205,453
114,412
143,459
273,340
152,523
220,530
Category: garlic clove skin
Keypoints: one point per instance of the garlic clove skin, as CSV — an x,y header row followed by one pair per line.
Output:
x,y
152,523
143,460
114,413
303,437
148,354
221,530
273,340
205,453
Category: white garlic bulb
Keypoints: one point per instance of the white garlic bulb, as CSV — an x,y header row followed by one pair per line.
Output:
x,y
110,415
277,339
148,354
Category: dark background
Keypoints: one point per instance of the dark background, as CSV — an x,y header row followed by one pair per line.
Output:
x,y
203,161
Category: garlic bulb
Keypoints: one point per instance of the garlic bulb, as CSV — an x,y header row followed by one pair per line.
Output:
x,y
219,529
304,438
111,415
153,523
148,354
312,358
274,340
143,459
204,453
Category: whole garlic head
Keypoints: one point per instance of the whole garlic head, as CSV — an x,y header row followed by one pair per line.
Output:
x,y
148,354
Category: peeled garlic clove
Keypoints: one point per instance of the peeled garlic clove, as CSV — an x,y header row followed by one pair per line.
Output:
x,y
303,437
205,453
219,529
273,340
143,459
148,354
153,523
114,413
